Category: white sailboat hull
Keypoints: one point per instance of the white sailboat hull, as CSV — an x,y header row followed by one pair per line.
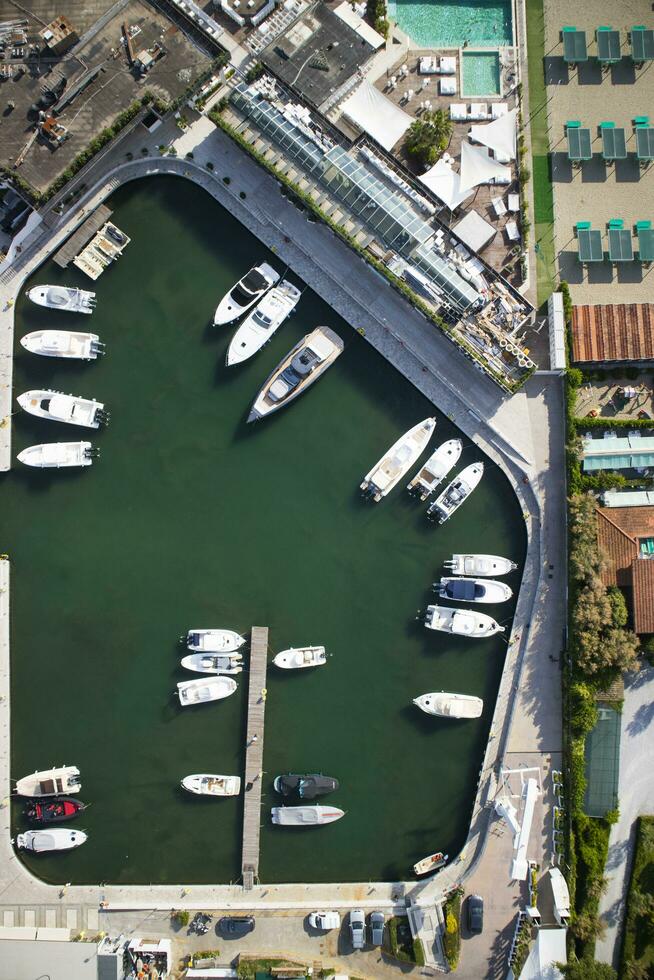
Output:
x,y
55,405
208,784
305,816
52,839
480,565
297,658
66,298
395,463
203,690
63,343
57,455
262,323
445,705
214,641
461,622
436,468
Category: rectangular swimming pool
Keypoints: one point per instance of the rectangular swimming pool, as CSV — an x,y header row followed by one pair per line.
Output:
x,y
454,23
480,73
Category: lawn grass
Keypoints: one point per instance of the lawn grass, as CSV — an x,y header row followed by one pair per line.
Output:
x,y
638,940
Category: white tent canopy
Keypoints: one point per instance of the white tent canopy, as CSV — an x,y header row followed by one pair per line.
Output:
x,y
474,231
371,111
445,183
548,950
499,135
477,167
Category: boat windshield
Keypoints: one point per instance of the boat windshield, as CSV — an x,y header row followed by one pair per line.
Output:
x,y
252,283
261,319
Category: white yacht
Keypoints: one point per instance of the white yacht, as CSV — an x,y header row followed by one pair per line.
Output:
x,y
213,663
436,468
305,816
400,457
207,784
472,590
63,298
462,622
55,839
262,322
456,492
300,368
200,691
58,781
214,641
299,657
450,705
55,405
245,293
484,565
63,343
57,455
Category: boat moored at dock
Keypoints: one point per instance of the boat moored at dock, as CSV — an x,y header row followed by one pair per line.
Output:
x,y
461,622
72,409
57,839
63,343
214,641
300,368
446,705
307,786
54,811
436,468
213,663
305,816
296,658
204,690
57,455
455,493
395,463
207,784
430,864
472,590
50,782
242,296
262,322
483,565
67,298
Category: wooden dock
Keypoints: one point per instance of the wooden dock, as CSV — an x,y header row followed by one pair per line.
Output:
x,y
254,755
82,236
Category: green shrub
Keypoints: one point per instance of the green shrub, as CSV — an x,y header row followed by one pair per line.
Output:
x,y
428,137
181,917
575,377
400,944
619,613
452,934
583,710
254,72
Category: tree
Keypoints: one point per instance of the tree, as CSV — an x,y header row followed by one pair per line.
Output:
x,y
636,970
587,926
428,137
648,650
587,969
619,614
583,710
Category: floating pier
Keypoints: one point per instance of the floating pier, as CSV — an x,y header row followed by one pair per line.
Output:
x,y
102,250
82,236
254,755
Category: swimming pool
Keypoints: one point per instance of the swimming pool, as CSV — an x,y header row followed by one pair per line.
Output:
x,y
480,73
453,23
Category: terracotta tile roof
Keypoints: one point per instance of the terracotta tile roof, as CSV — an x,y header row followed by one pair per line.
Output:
x,y
643,593
618,532
613,333
618,546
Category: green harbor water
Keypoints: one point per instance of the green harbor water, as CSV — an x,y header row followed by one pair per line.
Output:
x,y
193,518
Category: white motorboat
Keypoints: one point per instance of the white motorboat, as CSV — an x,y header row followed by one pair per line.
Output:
x,y
431,863
207,784
74,409
462,622
305,816
298,657
58,454
58,781
398,460
245,293
484,565
214,641
66,298
472,590
201,691
450,705
436,468
456,492
63,343
262,322
213,663
55,839
300,368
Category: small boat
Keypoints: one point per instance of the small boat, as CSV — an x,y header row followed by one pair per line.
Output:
x,y
56,455
63,343
66,298
436,468
462,622
305,816
54,811
50,782
307,786
398,460
472,590
213,663
245,293
297,657
201,691
206,784
262,322
455,493
75,410
450,705
214,641
430,864
484,565
57,839
300,368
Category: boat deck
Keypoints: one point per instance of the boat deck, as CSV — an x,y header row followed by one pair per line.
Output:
x,y
82,236
254,755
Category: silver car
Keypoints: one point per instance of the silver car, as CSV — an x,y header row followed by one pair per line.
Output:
x,y
357,928
376,928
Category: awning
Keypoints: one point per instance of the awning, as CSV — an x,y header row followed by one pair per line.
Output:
x,y
474,231
371,111
548,950
477,167
499,135
345,12
445,183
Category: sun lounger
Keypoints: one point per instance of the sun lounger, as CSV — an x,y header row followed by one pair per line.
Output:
x,y
458,112
447,66
512,232
499,207
498,109
427,66
478,110
447,86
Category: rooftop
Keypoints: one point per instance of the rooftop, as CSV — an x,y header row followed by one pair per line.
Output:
x,y
616,332
620,531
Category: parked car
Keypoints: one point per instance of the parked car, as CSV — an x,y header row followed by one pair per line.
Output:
x,y
236,926
324,920
357,928
376,928
475,913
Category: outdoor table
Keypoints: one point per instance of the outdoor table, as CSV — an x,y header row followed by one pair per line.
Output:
x,y
574,45
579,144
646,244
608,45
620,246
590,245
645,142
642,44
614,143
